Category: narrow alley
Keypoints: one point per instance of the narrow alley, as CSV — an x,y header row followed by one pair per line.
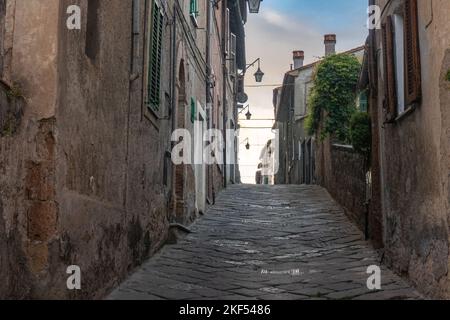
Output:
x,y
266,242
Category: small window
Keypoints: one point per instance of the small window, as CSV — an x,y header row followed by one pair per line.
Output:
x,y
232,60
154,58
308,88
193,9
399,60
193,110
92,30
363,101
227,31
402,69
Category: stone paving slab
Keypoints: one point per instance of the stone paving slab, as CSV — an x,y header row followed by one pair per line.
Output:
x,y
266,242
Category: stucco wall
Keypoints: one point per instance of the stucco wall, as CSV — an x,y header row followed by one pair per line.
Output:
x,y
83,175
414,165
28,211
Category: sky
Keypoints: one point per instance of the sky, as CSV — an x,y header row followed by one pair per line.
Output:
x,y
281,27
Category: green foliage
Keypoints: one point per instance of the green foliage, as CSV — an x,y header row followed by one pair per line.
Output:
x,y
332,99
447,76
361,132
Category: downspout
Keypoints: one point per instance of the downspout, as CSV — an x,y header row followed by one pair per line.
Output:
x,y
224,91
376,230
209,100
134,75
173,102
174,71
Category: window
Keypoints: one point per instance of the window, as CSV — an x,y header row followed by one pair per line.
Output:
x,y
227,31
401,60
193,110
154,58
92,30
308,88
232,61
363,101
193,8
194,12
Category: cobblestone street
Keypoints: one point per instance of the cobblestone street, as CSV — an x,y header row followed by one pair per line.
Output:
x,y
266,242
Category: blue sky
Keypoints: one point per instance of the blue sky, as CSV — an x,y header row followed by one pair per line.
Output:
x,y
281,27
328,11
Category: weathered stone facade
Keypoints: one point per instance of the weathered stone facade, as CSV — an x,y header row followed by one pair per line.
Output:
x,y
414,150
86,175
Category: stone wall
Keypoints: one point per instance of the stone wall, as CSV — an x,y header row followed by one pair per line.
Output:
x,y
342,172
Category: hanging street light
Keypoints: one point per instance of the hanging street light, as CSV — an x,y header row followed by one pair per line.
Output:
x,y
253,5
248,115
259,75
247,145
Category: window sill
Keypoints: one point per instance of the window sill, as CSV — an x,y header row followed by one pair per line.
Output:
x,y
194,19
152,116
345,147
405,113
301,118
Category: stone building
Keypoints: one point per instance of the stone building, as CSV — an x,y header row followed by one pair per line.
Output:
x,y
298,162
409,85
87,117
296,146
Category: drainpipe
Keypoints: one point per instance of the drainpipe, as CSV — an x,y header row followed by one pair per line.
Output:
x,y
134,75
174,69
209,100
224,88
173,102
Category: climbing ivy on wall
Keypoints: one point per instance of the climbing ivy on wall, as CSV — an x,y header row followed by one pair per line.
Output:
x,y
332,100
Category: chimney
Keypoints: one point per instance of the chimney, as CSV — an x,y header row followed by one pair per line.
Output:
x,y
330,44
299,57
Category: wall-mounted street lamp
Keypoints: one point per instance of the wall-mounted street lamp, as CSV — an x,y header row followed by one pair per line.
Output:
x,y
253,5
258,74
248,115
247,145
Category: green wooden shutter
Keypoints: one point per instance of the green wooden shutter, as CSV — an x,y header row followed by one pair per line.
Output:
x,y
155,57
194,8
193,110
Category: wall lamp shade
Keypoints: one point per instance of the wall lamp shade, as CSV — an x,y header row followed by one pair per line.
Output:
x,y
253,5
259,75
248,115
247,146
